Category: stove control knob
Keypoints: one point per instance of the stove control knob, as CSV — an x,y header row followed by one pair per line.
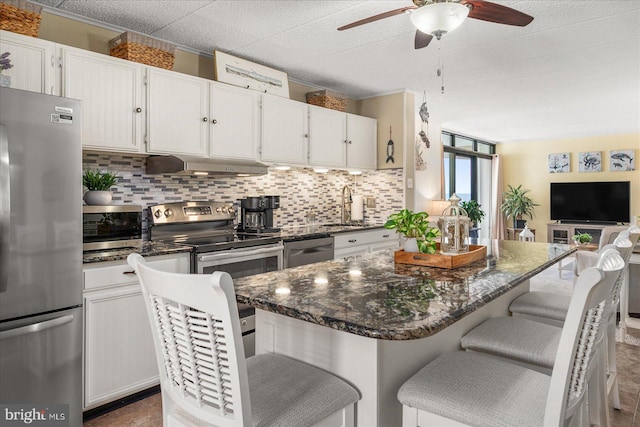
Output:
x,y
218,209
224,210
231,210
157,213
168,213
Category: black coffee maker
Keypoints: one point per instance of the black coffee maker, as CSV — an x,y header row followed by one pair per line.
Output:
x,y
257,214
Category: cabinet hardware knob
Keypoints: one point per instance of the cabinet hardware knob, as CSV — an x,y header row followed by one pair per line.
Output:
x,y
214,121
306,135
353,240
349,142
385,235
204,119
129,272
138,110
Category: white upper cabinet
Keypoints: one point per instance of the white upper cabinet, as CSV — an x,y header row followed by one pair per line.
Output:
x,y
33,60
177,113
234,122
327,137
362,135
111,91
284,131
341,140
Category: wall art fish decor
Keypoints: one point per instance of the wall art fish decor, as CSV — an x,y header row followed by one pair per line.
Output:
x,y
622,160
420,163
590,161
559,162
390,149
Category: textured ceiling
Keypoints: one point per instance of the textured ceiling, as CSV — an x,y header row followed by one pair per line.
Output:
x,y
574,71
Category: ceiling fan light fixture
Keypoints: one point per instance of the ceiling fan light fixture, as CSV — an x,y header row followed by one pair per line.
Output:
x,y
438,19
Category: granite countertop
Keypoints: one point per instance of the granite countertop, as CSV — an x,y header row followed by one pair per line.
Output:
x,y
372,296
289,233
146,249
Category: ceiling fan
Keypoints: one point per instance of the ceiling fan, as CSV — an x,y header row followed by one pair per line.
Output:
x,y
438,17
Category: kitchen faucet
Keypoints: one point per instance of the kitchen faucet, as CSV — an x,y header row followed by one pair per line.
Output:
x,y
346,205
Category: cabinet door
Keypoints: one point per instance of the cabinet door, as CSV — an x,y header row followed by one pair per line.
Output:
x,y
33,62
119,352
327,137
284,131
177,116
362,135
234,123
112,99
119,355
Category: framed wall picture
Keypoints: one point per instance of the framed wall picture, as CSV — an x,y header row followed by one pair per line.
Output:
x,y
622,160
590,161
559,162
240,72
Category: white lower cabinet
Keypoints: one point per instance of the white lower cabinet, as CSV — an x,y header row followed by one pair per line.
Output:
x,y
364,241
119,357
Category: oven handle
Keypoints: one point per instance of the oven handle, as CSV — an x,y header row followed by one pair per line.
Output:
x,y
275,250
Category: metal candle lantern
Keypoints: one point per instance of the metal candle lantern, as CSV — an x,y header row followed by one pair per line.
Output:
x,y
454,226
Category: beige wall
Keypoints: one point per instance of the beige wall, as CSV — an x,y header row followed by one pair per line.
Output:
x,y
526,163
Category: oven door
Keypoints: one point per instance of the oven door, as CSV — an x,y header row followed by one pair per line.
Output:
x,y
241,262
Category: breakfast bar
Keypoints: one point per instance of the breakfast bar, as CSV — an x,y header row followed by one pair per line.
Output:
x,y
375,323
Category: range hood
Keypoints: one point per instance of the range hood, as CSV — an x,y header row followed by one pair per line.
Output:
x,y
185,165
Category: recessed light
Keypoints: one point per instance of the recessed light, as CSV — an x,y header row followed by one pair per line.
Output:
x,y
355,172
243,174
201,173
320,170
282,168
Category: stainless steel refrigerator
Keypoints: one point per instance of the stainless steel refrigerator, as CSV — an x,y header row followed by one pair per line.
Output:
x,y
40,255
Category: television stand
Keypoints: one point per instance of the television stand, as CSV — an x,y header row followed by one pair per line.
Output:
x,y
563,232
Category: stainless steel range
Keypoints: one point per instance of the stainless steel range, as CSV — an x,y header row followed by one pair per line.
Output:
x,y
208,228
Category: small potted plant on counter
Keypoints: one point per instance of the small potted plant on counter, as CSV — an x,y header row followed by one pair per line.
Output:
x,y
516,204
475,215
582,238
419,236
98,184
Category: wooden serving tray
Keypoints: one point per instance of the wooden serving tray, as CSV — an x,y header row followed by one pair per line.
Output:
x,y
476,253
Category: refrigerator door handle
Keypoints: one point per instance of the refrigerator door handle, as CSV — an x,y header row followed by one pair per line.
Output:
x,y
5,208
36,327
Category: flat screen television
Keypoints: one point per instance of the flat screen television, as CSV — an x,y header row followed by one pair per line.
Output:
x,y
598,202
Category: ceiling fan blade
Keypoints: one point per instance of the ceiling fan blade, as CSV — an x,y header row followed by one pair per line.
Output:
x,y
377,17
422,39
492,12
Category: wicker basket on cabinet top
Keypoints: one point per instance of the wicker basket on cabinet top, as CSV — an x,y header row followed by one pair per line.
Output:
x,y
20,16
145,50
327,99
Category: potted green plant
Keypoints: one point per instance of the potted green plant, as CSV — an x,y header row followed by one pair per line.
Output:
x,y
98,184
582,238
419,236
475,214
516,204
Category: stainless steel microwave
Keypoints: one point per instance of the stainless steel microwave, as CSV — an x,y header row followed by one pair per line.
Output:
x,y
111,227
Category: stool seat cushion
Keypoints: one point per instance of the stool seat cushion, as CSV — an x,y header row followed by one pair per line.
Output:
x,y
516,338
287,392
478,389
542,304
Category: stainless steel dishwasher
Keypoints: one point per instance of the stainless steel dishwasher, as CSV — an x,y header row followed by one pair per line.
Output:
x,y
307,250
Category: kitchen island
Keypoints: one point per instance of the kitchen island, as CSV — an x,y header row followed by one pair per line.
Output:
x,y
375,323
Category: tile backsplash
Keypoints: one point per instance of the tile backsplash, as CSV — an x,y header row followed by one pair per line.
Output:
x,y
299,189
